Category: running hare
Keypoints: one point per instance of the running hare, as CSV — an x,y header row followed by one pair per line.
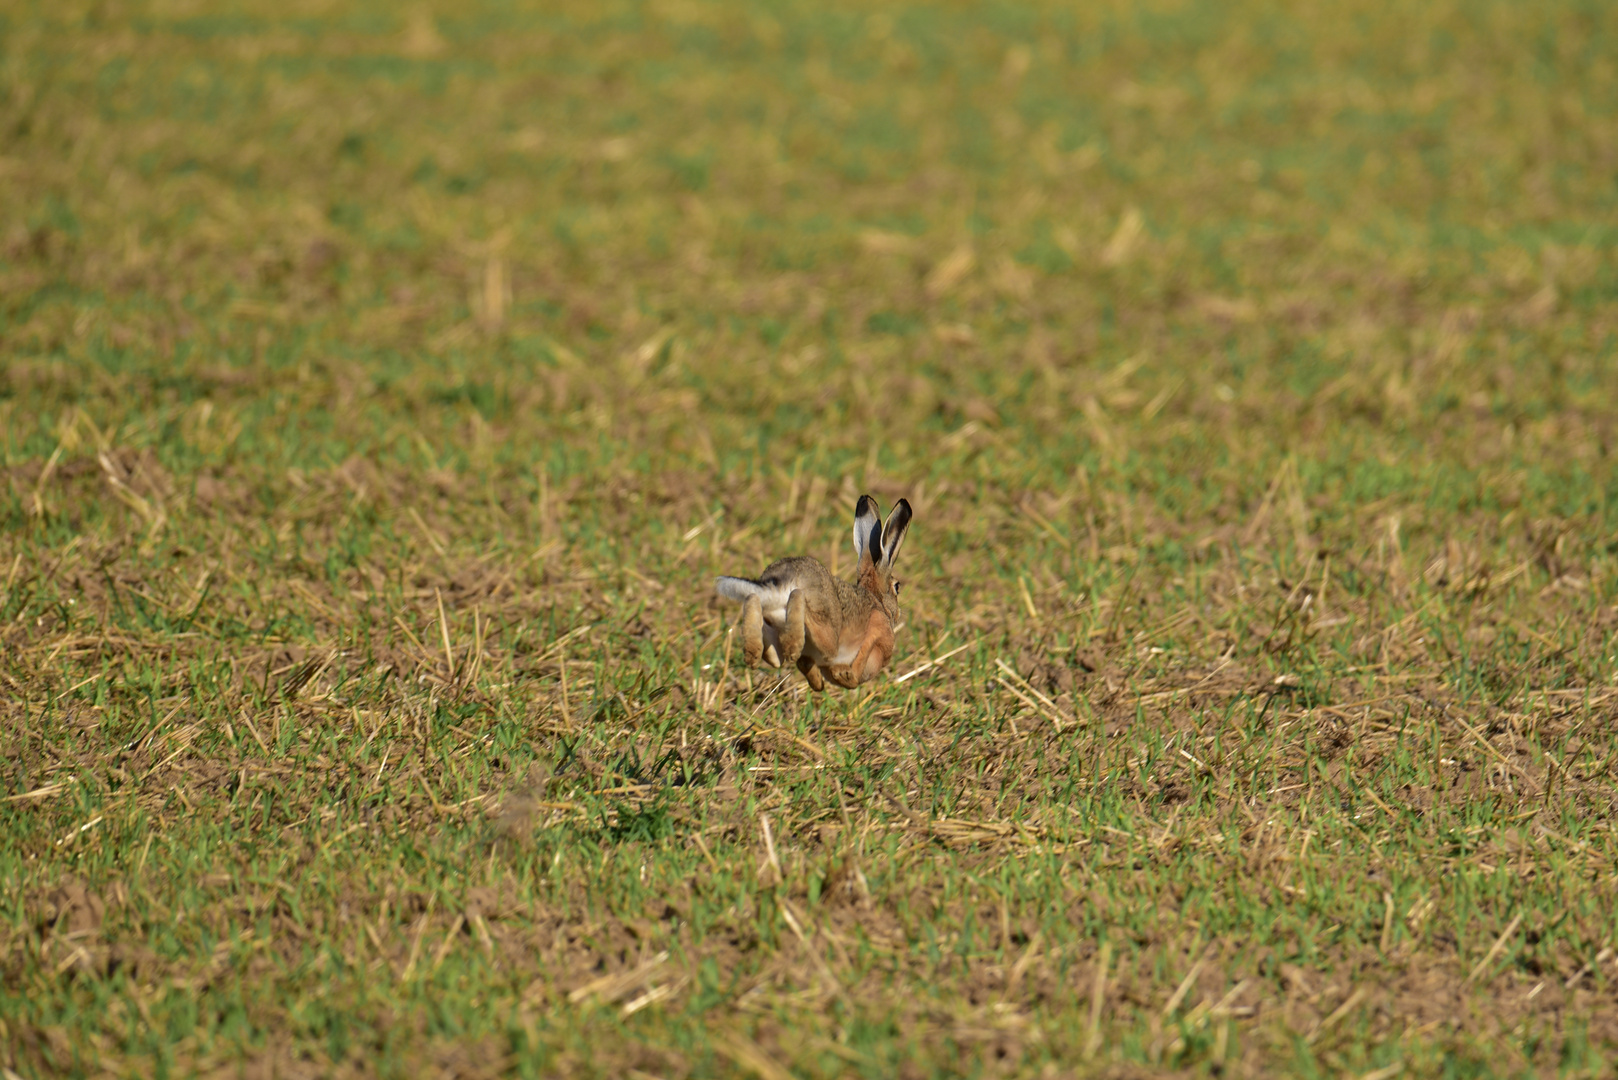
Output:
x,y
798,612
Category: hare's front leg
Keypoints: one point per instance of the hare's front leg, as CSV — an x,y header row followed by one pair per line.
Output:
x,y
875,649
850,676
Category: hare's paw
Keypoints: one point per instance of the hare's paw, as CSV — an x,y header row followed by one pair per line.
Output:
x,y
843,675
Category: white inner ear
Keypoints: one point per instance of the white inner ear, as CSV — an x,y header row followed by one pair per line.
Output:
x,y
863,527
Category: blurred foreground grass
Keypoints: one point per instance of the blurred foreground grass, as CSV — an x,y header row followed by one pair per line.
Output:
x,y
381,392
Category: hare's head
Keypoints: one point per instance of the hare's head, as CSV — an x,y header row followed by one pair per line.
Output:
x,y
876,547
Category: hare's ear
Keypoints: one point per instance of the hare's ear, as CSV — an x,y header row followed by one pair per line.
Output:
x,y
894,535
867,530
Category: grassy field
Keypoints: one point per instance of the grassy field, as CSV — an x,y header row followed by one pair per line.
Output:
x,y
381,390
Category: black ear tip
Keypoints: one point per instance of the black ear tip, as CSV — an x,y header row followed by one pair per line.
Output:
x,y
866,505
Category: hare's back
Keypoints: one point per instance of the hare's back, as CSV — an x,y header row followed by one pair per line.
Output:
x,y
801,572
798,573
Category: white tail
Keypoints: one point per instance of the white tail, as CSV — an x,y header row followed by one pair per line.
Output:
x,y
738,588
773,598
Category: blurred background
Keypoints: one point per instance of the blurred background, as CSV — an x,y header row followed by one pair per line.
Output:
x,y
739,232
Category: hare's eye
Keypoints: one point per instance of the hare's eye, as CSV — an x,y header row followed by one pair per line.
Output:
x,y
896,585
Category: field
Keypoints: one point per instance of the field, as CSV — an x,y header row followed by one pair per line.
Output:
x,y
382,388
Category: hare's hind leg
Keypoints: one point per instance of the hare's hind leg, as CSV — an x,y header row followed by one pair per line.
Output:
x,y
811,673
792,633
752,624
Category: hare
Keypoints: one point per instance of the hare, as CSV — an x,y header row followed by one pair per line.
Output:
x,y
797,612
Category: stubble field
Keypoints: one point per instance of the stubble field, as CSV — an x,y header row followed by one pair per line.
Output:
x,y
382,390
